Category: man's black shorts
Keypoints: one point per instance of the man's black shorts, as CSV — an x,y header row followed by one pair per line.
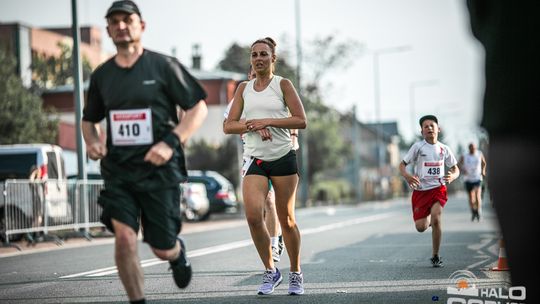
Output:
x,y
158,211
471,185
286,165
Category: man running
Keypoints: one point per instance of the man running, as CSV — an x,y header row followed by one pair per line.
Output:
x,y
473,166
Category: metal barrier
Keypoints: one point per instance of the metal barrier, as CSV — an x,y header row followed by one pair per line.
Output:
x,y
29,206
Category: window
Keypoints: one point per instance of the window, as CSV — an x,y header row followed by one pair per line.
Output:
x,y
52,165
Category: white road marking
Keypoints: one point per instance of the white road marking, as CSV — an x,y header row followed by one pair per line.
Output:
x,y
234,245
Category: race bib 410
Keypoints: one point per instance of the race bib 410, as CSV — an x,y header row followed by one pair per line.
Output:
x,y
131,127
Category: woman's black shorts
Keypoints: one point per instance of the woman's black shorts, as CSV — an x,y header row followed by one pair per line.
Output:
x,y
283,166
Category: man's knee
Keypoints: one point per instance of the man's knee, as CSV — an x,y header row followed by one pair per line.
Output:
x,y
166,254
123,233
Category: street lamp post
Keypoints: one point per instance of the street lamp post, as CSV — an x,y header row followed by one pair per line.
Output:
x,y
412,97
376,83
303,140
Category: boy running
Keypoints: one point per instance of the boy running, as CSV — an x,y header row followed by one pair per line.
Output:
x,y
430,158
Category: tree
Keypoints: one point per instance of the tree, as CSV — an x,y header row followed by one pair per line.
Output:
x,y
236,59
327,148
50,71
325,55
22,117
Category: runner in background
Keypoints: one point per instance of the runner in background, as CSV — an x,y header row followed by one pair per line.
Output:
x,y
473,166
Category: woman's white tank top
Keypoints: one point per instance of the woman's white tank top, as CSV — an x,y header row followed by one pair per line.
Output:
x,y
268,103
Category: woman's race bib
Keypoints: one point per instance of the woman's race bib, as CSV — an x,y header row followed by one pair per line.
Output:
x,y
247,163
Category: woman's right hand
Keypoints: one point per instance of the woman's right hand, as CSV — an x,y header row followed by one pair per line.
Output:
x,y
265,134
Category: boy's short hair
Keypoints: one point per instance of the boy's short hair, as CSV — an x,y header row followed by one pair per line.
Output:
x,y
428,117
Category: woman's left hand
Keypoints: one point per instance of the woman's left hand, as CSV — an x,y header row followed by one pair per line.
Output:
x,y
256,124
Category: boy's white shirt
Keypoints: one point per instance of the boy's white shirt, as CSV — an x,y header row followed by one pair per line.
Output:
x,y
430,162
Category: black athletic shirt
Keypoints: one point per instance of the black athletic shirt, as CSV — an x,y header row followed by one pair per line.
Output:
x,y
157,82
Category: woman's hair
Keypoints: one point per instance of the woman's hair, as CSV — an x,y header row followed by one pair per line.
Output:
x,y
268,41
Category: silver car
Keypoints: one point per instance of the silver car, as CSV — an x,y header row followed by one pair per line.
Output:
x,y
194,202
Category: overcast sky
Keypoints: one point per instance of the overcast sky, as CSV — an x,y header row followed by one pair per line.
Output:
x,y
437,35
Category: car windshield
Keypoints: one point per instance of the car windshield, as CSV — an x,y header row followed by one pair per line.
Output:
x,y
16,165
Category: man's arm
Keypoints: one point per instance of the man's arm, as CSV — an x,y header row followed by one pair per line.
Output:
x,y
483,164
94,147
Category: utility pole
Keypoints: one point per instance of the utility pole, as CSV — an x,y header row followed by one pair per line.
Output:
x,y
78,91
357,161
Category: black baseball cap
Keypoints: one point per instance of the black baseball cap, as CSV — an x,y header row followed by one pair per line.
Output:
x,y
125,6
428,117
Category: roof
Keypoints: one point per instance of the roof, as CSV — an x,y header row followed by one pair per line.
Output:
x,y
66,88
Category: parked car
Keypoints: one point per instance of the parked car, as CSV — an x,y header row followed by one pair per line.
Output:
x,y
220,190
194,203
42,169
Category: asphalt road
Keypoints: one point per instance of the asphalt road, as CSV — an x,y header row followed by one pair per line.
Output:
x,y
369,253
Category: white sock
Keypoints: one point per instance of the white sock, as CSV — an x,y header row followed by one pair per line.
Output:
x,y
296,272
274,241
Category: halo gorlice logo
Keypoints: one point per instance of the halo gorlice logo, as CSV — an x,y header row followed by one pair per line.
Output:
x,y
464,290
463,283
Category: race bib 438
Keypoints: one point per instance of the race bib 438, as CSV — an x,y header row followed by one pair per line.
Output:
x,y
433,169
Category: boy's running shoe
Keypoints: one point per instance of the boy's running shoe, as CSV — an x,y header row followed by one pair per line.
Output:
x,y
271,280
436,261
296,283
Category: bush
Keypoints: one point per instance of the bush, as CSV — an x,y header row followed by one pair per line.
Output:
x,y
331,191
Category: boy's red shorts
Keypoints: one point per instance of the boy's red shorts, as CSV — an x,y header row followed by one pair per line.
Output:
x,y
422,201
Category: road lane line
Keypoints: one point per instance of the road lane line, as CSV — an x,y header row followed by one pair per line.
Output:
x,y
234,245
82,274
